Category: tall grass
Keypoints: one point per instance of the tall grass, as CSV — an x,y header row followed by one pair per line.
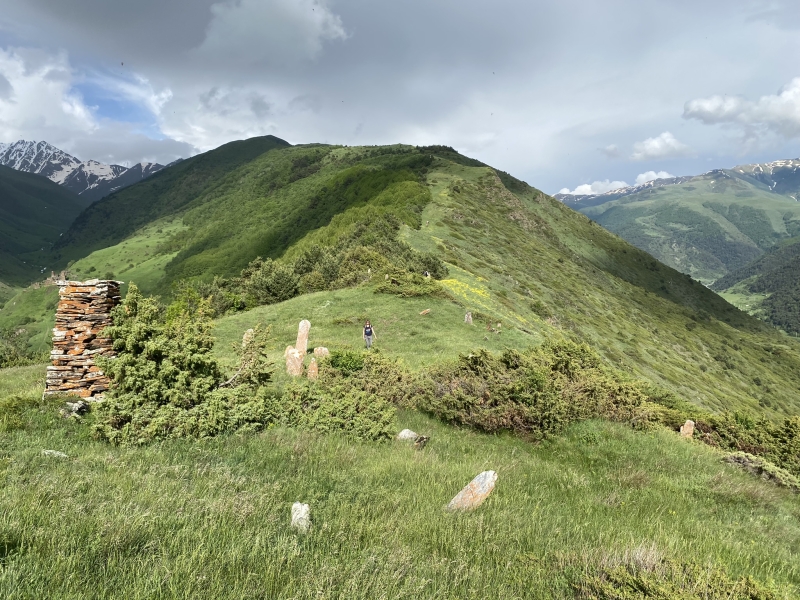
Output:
x,y
210,518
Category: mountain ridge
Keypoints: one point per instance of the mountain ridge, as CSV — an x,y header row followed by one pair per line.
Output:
x,y
516,256
90,177
704,225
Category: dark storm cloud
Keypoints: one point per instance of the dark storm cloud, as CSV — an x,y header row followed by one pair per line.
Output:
x,y
535,88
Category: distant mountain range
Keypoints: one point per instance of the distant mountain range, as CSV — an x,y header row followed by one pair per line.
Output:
x,y
704,225
91,179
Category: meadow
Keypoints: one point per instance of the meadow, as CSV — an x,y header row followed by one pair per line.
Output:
x,y
210,518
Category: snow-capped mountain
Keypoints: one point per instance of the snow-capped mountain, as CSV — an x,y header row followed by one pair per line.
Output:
x,y
90,178
780,177
595,199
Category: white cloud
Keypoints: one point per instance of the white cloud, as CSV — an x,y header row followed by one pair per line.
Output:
x,y
42,104
662,146
207,118
269,31
598,187
611,151
651,176
778,113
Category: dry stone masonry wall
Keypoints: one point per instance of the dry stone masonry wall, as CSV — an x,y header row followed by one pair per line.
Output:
x,y
84,310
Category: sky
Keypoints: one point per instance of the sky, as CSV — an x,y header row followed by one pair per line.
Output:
x,y
575,95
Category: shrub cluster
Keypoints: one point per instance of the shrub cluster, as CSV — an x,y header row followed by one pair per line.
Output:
x,y
666,578
368,250
534,393
14,348
166,383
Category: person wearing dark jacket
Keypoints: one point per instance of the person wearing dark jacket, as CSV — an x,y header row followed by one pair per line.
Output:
x,y
369,334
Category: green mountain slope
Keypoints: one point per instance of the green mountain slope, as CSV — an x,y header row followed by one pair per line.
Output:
x,y
769,286
602,510
516,256
706,225
34,212
168,192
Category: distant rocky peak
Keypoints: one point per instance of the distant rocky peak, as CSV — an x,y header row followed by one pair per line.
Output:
x,y
90,177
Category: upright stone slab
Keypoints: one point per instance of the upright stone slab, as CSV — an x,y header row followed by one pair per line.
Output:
x,y
687,429
302,336
321,352
294,361
313,369
475,493
301,517
468,318
84,310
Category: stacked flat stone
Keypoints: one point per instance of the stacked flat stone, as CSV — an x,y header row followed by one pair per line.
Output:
x,y
84,310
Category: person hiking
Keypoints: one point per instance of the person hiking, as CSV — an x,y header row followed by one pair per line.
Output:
x,y
369,334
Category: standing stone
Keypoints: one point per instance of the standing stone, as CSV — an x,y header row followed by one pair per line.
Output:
x,y
294,361
302,336
301,517
687,429
313,369
468,318
475,493
321,352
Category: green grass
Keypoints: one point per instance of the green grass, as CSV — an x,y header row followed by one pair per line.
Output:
x,y
337,319
32,309
140,258
210,518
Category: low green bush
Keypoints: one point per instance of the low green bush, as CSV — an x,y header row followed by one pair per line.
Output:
x,y
14,348
165,382
764,469
11,411
666,579
536,392
411,285
335,409
346,361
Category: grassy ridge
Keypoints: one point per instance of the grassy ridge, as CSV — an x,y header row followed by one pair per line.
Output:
x,y
516,256
209,519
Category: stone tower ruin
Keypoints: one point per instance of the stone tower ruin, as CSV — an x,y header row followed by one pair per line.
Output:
x,y
84,310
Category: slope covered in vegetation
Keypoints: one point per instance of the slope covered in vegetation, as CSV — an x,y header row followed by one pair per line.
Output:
x,y
705,226
587,348
513,255
601,507
34,212
769,287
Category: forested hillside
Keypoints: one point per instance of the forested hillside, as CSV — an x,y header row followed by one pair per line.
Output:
x,y
34,213
770,285
705,226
